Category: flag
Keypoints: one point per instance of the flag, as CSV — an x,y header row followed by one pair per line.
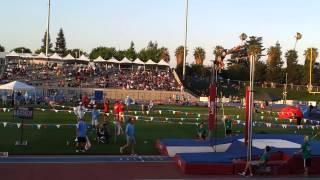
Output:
x,y
246,130
212,114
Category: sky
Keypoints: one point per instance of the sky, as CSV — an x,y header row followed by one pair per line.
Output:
x,y
115,23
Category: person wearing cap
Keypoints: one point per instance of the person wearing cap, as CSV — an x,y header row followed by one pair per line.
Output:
x,y
262,161
95,116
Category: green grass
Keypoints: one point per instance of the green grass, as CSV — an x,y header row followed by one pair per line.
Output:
x,y
51,140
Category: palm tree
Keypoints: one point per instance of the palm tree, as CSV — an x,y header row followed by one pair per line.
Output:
x,y
164,54
179,53
298,36
199,55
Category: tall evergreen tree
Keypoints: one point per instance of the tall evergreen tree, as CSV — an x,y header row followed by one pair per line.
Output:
x,y
2,49
61,43
274,64
43,47
308,57
76,52
292,69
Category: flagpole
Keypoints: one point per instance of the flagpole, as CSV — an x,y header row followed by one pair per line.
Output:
x,y
48,27
185,42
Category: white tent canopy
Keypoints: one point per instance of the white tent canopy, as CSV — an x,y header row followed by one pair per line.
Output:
x,y
13,54
138,61
113,60
125,61
68,57
41,56
163,63
16,86
83,58
150,62
99,60
55,56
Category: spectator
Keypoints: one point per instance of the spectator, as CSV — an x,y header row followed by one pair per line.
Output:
x,y
262,161
81,135
130,136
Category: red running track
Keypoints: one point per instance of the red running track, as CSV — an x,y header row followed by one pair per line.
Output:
x,y
90,171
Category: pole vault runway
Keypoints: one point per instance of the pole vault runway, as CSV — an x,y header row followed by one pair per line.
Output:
x,y
95,168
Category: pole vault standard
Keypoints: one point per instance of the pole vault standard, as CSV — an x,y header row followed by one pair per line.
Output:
x,y
212,118
252,59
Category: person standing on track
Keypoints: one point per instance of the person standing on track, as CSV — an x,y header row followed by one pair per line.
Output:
x,y
81,135
130,136
121,112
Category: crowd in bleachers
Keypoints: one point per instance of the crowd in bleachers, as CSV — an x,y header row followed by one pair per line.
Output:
x,y
98,76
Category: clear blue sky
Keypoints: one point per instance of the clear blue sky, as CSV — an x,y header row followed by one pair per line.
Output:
x,y
91,23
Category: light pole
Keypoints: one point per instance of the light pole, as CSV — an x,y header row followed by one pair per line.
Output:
x,y
48,27
298,36
310,70
185,43
285,90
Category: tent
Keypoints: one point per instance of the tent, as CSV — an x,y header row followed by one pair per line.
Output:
x,y
113,60
68,57
41,56
99,60
83,58
163,63
289,111
13,54
138,61
125,61
150,62
16,86
55,56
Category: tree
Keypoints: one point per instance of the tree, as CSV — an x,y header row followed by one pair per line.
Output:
x,y
164,54
61,44
119,55
199,55
150,52
76,52
43,47
274,64
260,71
292,69
22,50
179,53
130,53
104,52
2,49
308,57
